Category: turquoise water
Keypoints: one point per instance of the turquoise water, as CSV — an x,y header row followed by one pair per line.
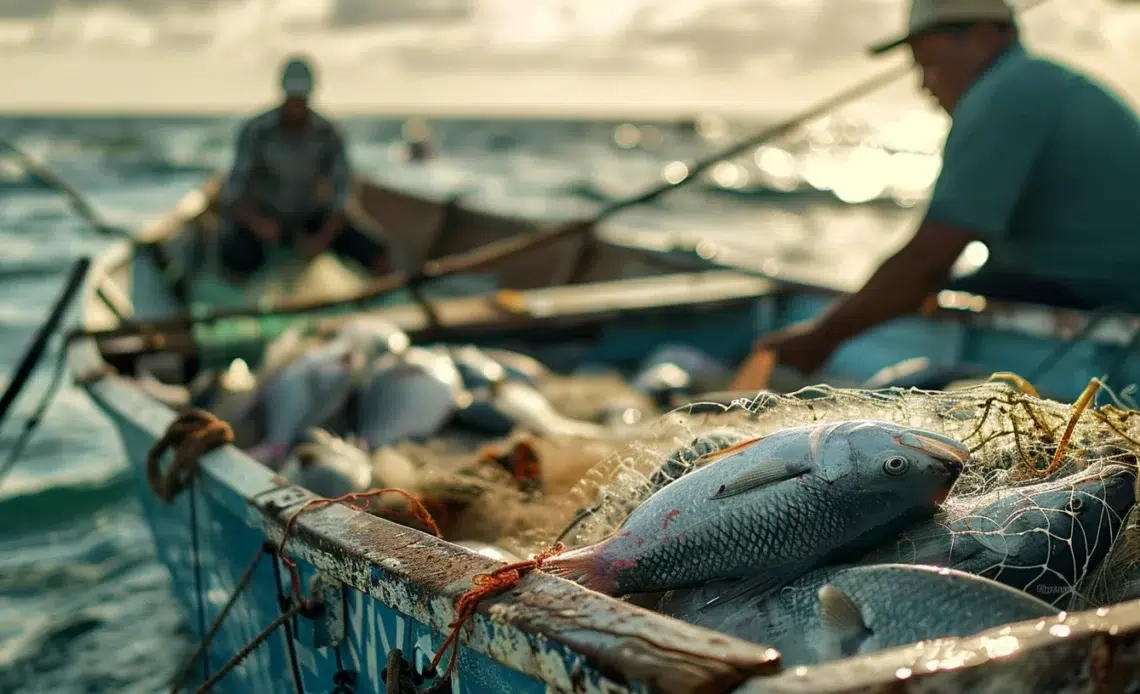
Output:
x,y
84,605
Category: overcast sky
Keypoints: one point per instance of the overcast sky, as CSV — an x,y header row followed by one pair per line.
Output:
x,y
471,55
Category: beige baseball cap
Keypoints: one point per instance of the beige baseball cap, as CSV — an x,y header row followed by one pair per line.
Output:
x,y
925,14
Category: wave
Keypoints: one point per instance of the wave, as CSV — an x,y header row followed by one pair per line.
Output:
x,y
59,504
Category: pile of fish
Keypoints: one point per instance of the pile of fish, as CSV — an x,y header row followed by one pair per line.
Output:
x,y
333,414
839,539
823,541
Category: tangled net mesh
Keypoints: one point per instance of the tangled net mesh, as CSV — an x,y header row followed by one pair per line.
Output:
x,y
1014,439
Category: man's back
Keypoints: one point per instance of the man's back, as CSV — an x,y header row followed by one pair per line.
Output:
x,y
1044,164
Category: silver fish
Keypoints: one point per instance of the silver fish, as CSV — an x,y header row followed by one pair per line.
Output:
x,y
681,366
664,382
482,375
1042,538
1117,579
408,396
308,390
840,612
681,460
329,466
532,411
518,366
774,507
477,369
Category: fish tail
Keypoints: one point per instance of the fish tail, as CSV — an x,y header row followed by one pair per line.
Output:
x,y
581,566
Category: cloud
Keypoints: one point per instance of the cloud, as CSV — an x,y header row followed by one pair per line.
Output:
x,y
231,46
718,35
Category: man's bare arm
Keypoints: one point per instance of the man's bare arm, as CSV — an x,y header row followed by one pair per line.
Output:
x,y
901,283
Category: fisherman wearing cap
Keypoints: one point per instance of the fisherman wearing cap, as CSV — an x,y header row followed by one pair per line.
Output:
x,y
285,157
1041,164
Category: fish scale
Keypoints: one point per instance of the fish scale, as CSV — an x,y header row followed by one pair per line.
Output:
x,y
1026,538
744,528
891,605
773,507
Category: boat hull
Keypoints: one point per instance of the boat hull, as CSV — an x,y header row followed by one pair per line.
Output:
x,y
394,587
210,534
386,586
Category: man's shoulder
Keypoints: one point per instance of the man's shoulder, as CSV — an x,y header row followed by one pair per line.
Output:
x,y
262,122
1025,75
323,126
1029,78
1039,82
1020,84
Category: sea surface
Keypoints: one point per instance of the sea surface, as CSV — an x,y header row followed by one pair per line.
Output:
x,y
84,604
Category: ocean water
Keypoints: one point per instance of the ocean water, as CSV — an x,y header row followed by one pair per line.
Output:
x,y
84,605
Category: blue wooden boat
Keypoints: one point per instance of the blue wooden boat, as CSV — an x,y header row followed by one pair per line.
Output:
x,y
383,586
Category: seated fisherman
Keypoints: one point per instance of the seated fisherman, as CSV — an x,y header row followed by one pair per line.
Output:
x,y
1041,164
273,196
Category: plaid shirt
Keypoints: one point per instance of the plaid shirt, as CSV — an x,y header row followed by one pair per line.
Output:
x,y
282,172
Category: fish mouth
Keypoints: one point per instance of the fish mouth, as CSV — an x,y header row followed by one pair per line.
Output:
x,y
942,495
951,453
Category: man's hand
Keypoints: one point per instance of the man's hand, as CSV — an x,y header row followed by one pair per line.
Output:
x,y
804,347
268,230
313,245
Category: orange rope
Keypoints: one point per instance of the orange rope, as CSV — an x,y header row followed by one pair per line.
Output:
x,y
519,458
503,578
1079,408
524,463
191,435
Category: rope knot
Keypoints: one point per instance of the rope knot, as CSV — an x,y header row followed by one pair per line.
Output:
x,y
191,435
503,578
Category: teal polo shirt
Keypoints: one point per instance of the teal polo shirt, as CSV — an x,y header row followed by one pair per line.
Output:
x,y
1043,164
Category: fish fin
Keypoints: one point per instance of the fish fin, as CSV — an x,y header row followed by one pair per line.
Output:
x,y
581,566
726,452
841,620
763,473
749,588
996,542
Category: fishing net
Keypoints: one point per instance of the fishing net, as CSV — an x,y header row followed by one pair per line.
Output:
x,y
1016,439
524,492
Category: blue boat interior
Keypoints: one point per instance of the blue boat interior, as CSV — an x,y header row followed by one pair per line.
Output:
x,y
610,325
395,588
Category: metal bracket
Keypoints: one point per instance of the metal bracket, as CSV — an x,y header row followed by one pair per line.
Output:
x,y
277,500
325,626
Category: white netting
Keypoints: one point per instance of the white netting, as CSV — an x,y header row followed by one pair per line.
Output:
x,y
1014,509
1020,513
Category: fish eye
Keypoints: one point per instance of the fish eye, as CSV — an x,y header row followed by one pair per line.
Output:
x,y
1075,504
895,465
